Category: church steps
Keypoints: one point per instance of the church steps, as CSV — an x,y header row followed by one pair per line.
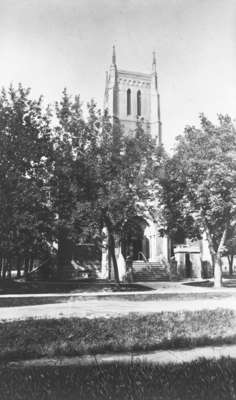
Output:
x,y
149,271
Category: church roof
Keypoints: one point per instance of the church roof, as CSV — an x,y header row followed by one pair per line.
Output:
x,y
134,75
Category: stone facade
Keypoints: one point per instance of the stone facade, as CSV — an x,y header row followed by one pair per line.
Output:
x,y
133,95
188,261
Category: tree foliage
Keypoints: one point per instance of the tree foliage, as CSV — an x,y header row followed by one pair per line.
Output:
x,y
25,154
73,183
126,188
101,178
199,187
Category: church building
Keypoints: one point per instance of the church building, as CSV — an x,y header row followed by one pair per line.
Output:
x,y
130,96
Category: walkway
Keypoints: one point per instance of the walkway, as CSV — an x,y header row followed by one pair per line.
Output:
x,y
91,308
166,296
155,357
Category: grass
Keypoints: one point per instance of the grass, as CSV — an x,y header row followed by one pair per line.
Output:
x,y
79,286
31,301
69,337
201,380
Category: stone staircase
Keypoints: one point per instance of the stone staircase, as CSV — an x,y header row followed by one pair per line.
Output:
x,y
150,271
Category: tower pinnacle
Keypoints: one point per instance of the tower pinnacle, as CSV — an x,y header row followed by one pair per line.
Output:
x,y
154,61
113,55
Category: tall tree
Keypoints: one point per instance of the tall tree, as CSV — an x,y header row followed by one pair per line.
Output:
x,y
101,177
73,181
25,153
199,186
125,172
229,249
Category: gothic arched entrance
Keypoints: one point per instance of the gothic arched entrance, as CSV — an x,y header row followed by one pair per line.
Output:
x,y
134,242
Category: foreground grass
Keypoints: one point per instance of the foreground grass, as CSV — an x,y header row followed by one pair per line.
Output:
x,y
194,381
134,332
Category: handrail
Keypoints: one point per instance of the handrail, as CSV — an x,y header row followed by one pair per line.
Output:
x,y
140,253
39,266
145,259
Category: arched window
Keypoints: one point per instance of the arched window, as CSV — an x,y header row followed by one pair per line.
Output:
x,y
138,103
128,102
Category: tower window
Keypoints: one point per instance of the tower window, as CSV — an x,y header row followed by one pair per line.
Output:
x,y
138,103
128,102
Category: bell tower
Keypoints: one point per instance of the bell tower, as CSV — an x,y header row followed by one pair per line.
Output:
x,y
130,96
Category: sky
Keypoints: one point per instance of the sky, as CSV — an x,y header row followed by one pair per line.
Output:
x,y
51,44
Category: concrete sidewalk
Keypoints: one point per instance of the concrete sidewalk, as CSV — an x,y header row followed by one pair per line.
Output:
x,y
154,357
111,308
108,304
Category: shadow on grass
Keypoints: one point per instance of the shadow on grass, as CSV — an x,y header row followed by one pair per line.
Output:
x,y
32,338
37,287
228,282
204,379
206,284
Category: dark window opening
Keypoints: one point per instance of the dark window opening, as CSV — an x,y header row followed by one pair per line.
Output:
x,y
128,102
138,103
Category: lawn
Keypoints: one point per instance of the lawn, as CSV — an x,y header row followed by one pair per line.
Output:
x,y
76,336
212,380
79,286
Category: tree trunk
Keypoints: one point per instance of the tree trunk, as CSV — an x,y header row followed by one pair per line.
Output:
x,y
4,268
9,264
111,247
218,265
26,267
217,271
216,256
113,256
64,254
18,267
61,258
31,263
230,261
1,266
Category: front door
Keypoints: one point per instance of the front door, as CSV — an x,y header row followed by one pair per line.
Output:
x,y
134,241
188,266
136,248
